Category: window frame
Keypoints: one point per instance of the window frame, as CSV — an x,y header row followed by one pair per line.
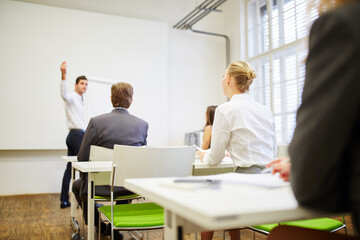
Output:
x,y
299,46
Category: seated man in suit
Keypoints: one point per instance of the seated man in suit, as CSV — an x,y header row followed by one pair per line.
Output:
x,y
116,127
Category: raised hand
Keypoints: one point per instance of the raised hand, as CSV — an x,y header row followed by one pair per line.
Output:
x,y
63,70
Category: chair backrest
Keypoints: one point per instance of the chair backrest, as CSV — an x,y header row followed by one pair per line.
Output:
x,y
144,162
100,153
282,150
192,138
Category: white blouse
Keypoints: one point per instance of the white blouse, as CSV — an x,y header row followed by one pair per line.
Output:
x,y
246,129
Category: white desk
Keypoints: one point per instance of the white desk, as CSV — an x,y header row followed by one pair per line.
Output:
x,y
199,168
91,168
229,206
69,158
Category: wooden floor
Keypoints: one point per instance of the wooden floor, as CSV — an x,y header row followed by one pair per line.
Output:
x,y
40,217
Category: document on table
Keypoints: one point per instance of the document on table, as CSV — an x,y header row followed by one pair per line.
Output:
x,y
202,150
261,180
215,181
190,183
226,160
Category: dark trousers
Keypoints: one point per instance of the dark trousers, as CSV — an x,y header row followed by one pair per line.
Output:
x,y
73,142
76,191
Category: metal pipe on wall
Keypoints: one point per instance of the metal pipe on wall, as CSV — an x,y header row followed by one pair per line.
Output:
x,y
199,13
192,14
227,42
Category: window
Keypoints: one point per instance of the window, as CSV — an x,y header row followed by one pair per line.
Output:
x,y
277,33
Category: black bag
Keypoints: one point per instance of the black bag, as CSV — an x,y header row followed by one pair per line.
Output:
x,y
101,190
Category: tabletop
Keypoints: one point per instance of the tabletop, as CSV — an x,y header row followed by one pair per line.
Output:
x,y
224,205
95,166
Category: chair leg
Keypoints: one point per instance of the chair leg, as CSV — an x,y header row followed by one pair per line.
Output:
x,y
112,231
346,232
224,235
99,226
138,237
83,221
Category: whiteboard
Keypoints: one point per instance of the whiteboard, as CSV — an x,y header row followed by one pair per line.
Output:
x,y
35,39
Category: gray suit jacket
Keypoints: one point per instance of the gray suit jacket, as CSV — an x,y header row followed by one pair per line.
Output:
x,y
116,127
325,149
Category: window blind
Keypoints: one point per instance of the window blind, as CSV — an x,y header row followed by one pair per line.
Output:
x,y
277,33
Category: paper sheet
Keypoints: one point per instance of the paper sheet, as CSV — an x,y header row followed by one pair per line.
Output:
x,y
215,181
267,180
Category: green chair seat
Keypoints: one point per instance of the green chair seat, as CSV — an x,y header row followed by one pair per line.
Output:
x,y
117,198
325,224
266,227
137,215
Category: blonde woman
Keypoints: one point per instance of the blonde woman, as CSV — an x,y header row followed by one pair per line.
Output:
x,y
242,126
325,149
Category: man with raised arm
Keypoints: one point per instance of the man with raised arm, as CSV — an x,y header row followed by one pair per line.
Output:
x,y
106,130
75,119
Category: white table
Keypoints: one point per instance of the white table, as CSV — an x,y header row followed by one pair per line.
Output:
x,y
199,168
91,168
69,158
228,206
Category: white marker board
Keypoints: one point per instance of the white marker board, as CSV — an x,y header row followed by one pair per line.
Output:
x,y
35,39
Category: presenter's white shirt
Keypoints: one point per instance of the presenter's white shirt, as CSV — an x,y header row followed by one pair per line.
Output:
x,y
74,108
246,129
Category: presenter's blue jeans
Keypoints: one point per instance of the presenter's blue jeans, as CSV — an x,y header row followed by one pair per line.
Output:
x,y
73,142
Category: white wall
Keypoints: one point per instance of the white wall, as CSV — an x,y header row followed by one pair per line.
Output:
x,y
36,39
196,64
196,67
232,24
31,171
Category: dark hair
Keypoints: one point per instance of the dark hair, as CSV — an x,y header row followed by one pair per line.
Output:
x,y
82,77
121,94
210,112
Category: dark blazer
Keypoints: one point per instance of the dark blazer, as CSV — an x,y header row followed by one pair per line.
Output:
x,y
116,127
325,149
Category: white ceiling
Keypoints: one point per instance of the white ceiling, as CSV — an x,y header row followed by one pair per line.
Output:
x,y
169,11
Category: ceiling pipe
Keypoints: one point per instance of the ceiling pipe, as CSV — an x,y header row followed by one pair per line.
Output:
x,y
199,13
204,13
210,10
192,14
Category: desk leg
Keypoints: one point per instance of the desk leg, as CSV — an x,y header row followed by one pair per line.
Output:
x,y
73,223
173,230
91,202
176,226
73,199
